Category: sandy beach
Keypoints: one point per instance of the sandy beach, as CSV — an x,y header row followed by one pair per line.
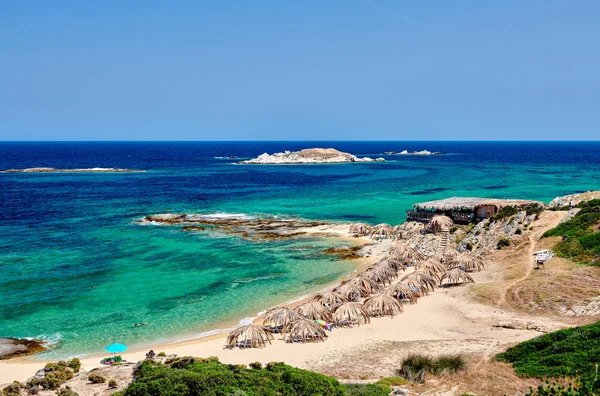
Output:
x,y
449,320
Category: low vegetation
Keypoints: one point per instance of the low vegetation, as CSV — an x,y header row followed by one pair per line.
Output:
x,y
564,353
503,242
581,235
55,374
367,390
66,391
415,366
193,376
579,388
505,212
96,378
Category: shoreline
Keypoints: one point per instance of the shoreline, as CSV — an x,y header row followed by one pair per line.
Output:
x,y
21,368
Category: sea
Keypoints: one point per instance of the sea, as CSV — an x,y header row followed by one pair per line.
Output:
x,y
78,270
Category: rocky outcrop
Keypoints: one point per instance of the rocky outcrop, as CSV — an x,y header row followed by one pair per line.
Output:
x,y
83,170
587,308
13,347
573,199
309,156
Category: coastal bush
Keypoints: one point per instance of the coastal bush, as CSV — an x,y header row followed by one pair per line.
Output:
x,y
112,384
392,381
256,365
578,388
563,353
448,364
503,242
208,376
96,378
415,366
55,375
367,390
518,231
75,364
469,246
13,389
66,391
534,209
505,212
162,354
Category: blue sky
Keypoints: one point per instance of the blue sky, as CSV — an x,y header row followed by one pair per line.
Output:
x,y
311,70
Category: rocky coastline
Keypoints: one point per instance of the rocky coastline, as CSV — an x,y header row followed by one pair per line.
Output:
x,y
308,156
82,170
14,347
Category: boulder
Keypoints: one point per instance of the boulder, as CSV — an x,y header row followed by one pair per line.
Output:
x,y
12,347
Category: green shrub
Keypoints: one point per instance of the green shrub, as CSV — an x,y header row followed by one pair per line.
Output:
x,y
579,388
162,354
96,378
534,209
112,384
448,364
415,366
392,381
506,211
518,231
453,229
469,246
367,390
503,242
563,353
256,365
207,376
75,364
13,389
66,391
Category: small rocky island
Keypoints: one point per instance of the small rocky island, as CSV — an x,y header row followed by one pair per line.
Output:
x,y
309,156
83,170
406,152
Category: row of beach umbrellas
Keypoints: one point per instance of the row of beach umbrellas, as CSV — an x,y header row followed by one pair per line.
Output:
x,y
386,231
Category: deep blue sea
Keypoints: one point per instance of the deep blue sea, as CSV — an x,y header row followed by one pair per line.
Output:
x,y
76,268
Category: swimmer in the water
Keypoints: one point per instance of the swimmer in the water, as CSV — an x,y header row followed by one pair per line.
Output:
x,y
140,324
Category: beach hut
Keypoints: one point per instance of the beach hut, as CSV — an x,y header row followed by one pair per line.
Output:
x,y
382,231
350,291
350,313
439,223
383,305
314,311
402,292
467,261
303,330
360,229
421,280
369,285
250,336
456,276
405,253
277,318
329,299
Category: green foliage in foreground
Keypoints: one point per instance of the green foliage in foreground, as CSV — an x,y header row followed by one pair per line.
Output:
x,y
415,366
579,388
367,390
580,242
564,353
191,376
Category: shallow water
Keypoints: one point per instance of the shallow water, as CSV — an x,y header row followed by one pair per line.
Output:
x,y
76,267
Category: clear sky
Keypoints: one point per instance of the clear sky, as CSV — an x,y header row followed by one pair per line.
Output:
x,y
304,70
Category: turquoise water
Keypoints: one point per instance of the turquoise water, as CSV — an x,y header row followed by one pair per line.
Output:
x,y
76,267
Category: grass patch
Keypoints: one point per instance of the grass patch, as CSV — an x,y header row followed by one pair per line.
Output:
x,y
505,212
415,366
564,353
367,389
392,381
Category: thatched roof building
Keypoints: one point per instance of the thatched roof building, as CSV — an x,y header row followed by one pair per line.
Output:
x,y
250,336
383,305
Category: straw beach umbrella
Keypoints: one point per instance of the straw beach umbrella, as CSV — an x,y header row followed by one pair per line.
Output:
x,y
329,299
421,280
397,232
468,261
304,330
456,276
449,254
393,263
250,336
439,223
369,285
314,311
350,291
432,266
280,317
406,253
439,257
382,231
360,229
350,313
378,277
402,292
383,305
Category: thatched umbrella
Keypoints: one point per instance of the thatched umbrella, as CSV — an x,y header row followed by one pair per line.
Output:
x,y
304,330
398,232
432,266
382,231
383,268
406,253
402,292
449,254
314,311
421,280
360,229
393,263
439,223
382,305
439,257
468,261
280,317
350,291
250,336
329,299
365,283
350,313
456,276
378,277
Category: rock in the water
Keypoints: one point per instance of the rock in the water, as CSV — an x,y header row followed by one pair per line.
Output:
x,y
12,347
309,156
83,170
